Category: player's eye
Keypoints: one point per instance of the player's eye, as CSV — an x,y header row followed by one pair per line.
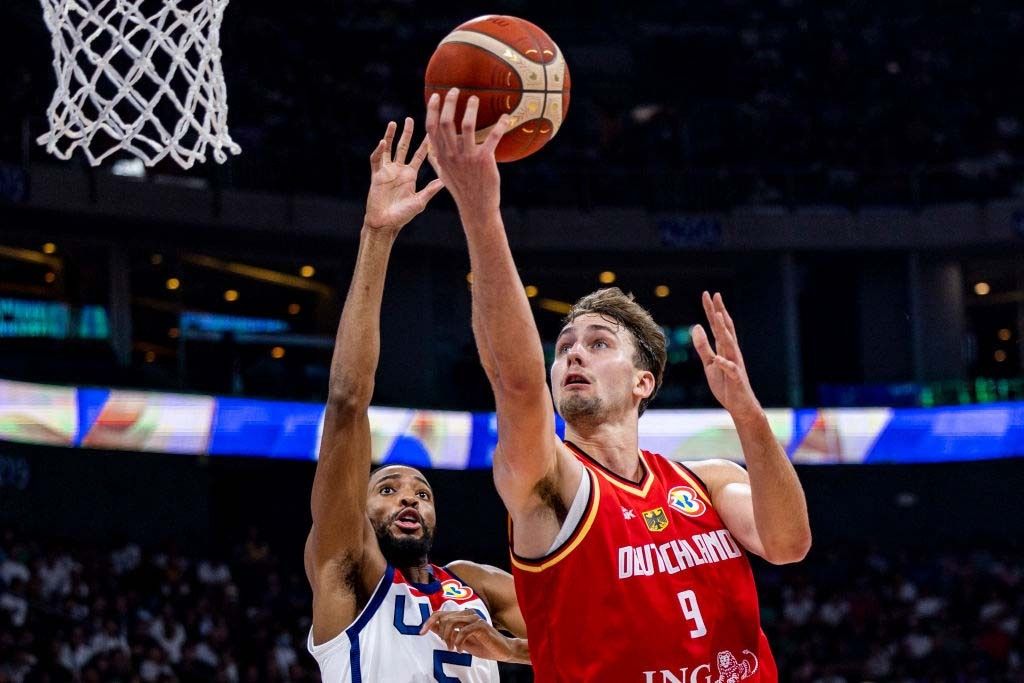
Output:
x,y
564,348
424,495
600,344
386,490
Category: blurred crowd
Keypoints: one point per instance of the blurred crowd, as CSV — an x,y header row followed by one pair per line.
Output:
x,y
676,104
861,614
129,614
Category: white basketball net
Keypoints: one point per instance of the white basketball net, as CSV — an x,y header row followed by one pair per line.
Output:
x,y
123,72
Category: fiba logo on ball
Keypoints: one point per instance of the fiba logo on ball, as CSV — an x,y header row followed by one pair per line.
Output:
x,y
515,69
685,500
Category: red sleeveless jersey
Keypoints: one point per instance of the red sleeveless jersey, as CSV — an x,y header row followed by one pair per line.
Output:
x,y
650,588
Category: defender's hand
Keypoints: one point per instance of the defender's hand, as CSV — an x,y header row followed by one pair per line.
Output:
x,y
723,365
468,169
393,200
467,631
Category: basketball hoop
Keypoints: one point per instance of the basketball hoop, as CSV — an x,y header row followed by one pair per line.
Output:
x,y
146,81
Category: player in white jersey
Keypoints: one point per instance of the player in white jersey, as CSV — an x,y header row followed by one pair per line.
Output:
x,y
381,611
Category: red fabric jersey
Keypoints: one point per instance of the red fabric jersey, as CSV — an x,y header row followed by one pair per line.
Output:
x,y
650,588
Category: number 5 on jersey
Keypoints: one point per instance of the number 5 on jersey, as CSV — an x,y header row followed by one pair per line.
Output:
x,y
688,601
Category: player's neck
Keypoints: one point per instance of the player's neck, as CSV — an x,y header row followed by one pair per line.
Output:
x,y
418,573
613,444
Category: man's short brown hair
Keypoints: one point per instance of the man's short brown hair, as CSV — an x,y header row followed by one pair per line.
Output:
x,y
649,339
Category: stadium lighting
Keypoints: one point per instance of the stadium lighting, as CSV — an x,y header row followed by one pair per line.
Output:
x,y
49,248
982,288
555,306
50,277
173,283
1000,356
277,352
307,271
1005,334
294,309
606,277
661,291
231,295
531,291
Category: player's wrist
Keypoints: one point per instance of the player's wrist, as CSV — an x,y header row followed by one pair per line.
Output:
x,y
379,233
750,418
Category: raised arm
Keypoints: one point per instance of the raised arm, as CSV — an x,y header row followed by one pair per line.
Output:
x,y
340,537
529,462
764,506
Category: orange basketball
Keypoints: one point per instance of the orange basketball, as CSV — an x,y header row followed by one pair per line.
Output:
x,y
515,69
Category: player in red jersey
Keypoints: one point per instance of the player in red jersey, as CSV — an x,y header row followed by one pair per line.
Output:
x,y
628,567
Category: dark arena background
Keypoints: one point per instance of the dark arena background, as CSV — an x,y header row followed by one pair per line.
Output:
x,y
849,175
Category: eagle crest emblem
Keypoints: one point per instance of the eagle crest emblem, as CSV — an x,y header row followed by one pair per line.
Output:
x,y
656,519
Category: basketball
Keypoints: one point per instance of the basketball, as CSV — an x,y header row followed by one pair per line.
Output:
x,y
514,68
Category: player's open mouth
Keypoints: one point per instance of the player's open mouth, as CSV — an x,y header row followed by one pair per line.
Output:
x,y
409,520
574,380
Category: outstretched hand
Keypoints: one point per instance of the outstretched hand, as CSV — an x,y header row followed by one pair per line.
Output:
x,y
467,167
723,363
393,200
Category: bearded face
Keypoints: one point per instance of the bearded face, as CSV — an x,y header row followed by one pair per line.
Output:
x,y
400,506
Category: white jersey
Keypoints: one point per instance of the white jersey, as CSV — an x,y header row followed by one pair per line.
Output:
x,y
384,645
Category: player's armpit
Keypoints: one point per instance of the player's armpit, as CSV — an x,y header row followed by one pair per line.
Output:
x,y
729,488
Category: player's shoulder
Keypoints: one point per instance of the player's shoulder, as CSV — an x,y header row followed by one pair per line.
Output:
x,y
715,472
474,572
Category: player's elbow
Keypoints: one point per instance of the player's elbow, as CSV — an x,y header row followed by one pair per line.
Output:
x,y
519,383
790,550
349,398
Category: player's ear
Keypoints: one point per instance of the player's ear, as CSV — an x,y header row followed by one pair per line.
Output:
x,y
644,386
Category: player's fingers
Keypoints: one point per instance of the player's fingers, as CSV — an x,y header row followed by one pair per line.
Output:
x,y
431,189
377,156
731,369
447,120
498,131
433,125
468,634
433,114
420,154
430,622
404,141
389,139
469,118
720,307
702,345
725,342
709,309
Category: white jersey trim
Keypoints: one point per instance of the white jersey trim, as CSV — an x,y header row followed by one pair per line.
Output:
x,y
576,512
351,632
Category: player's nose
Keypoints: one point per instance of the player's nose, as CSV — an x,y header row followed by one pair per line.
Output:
x,y
574,356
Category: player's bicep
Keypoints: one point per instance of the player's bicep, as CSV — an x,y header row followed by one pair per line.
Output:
x,y
736,508
729,486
